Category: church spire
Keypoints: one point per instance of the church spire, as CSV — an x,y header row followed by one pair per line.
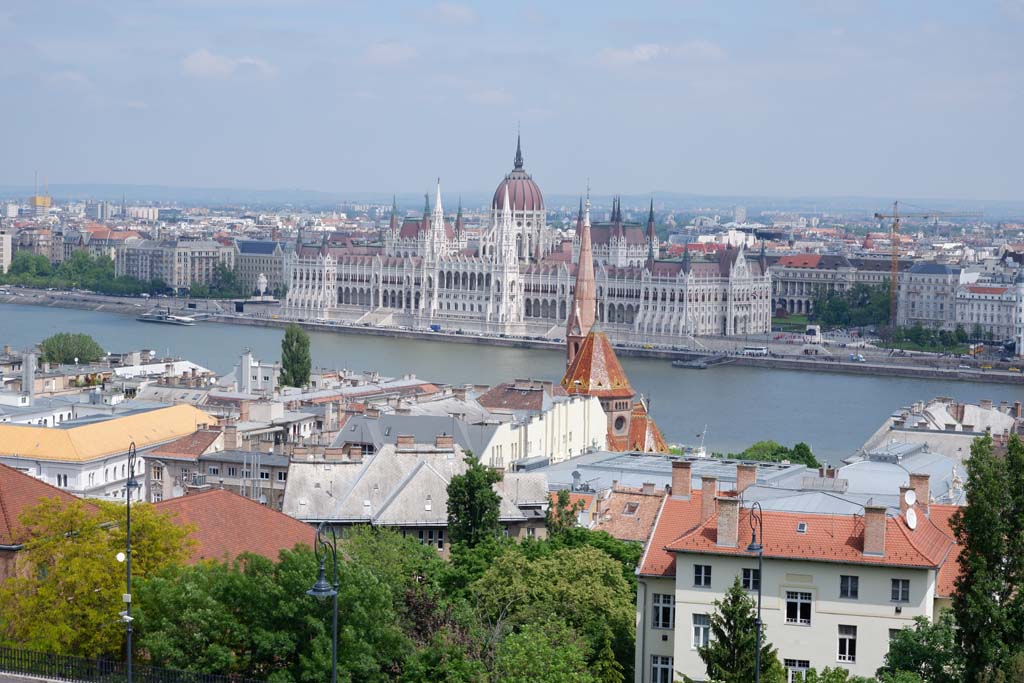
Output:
x,y
393,224
584,300
459,222
519,152
651,237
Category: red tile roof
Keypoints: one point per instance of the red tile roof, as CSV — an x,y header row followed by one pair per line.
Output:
x,y
986,290
676,517
596,371
800,261
18,492
644,434
508,396
629,513
187,447
942,515
228,525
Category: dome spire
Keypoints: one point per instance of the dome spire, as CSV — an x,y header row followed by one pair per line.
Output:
x,y
519,151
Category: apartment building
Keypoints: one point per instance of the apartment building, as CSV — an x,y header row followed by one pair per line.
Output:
x,y
995,308
6,250
256,257
179,264
927,295
835,583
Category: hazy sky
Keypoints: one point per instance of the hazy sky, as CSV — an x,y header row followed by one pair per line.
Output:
x,y
889,98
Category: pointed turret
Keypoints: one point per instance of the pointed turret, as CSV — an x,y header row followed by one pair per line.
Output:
x,y
652,237
686,259
762,260
584,300
519,152
426,206
459,222
393,224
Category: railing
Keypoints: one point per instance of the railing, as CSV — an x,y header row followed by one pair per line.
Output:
x,y
100,670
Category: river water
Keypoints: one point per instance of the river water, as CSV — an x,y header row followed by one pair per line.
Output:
x,y
833,413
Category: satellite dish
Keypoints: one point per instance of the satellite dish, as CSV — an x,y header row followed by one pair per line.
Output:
x,y
911,517
910,497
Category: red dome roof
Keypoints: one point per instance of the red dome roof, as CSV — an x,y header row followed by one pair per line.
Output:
x,y
523,193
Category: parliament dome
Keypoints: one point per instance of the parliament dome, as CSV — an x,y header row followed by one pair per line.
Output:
x,y
523,193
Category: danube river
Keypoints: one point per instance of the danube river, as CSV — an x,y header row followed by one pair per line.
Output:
x,y
833,413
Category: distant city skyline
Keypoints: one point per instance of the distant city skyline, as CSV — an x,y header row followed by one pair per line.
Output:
x,y
804,98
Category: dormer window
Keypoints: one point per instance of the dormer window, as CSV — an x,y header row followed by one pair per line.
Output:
x,y
801,528
631,509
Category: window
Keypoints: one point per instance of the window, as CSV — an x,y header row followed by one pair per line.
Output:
x,y
751,579
282,476
701,630
158,473
661,669
893,632
702,575
847,643
62,480
631,509
213,469
158,495
901,590
663,611
849,587
798,608
432,537
184,474
265,475
246,474
796,669
232,471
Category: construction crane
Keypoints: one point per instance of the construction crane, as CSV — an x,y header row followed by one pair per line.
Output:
x,y
894,235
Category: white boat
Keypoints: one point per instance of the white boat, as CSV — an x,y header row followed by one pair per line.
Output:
x,y
166,318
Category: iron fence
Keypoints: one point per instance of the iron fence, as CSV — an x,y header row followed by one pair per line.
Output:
x,y
99,670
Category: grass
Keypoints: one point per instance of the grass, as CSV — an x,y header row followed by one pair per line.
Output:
x,y
791,323
912,346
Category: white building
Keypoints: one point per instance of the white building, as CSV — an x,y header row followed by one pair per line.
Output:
x,y
834,586
6,250
994,308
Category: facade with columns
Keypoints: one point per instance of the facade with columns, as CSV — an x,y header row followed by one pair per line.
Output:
x,y
510,280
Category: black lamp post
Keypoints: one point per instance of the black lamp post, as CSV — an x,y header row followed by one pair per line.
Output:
x,y
321,589
757,522
133,458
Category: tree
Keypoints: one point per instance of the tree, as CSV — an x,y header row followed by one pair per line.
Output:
x,y
772,451
729,655
544,652
929,650
563,513
473,506
1014,575
296,362
67,591
979,600
66,347
840,675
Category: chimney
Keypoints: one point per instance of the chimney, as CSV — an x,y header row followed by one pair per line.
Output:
x,y
355,453
874,530
243,411
1016,409
728,520
920,484
986,404
903,499
647,488
335,452
459,392
681,478
230,437
746,476
444,441
405,441
373,413
708,489
28,376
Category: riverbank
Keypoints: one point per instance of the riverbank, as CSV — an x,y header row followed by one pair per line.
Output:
x,y
921,367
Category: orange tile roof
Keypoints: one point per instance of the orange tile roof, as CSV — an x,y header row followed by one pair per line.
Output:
x,y
676,517
942,516
586,498
986,290
228,525
596,371
187,447
644,434
18,492
629,513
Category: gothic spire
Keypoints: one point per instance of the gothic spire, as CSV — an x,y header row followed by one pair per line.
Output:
x,y
686,259
393,224
459,222
519,152
426,206
650,216
584,300
651,237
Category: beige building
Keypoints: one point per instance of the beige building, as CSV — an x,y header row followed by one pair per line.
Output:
x,y
995,308
179,264
6,247
834,586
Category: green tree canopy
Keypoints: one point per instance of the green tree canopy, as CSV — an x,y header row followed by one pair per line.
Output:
x,y
562,513
296,361
546,652
67,593
772,451
929,650
65,347
473,506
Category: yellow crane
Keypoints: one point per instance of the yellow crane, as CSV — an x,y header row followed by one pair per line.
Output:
x,y
894,238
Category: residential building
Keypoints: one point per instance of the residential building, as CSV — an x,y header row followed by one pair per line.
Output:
x,y
256,257
835,581
404,487
179,264
928,293
992,308
6,249
89,456
225,525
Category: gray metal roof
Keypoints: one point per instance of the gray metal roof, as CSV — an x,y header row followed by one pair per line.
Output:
x,y
385,429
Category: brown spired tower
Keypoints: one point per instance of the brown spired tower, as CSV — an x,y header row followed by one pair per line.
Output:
x,y
594,369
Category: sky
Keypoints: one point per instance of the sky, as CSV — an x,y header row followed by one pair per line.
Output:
x,y
901,98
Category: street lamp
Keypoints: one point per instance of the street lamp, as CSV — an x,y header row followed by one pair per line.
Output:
x,y
757,522
322,589
133,458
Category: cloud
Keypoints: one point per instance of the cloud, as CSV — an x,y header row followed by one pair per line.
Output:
x,y
454,13
644,53
205,64
491,96
389,54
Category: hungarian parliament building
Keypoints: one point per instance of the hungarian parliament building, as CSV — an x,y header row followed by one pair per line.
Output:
x,y
516,276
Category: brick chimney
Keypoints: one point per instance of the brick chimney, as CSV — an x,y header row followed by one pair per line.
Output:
x,y
746,475
230,437
921,487
728,521
405,441
334,453
355,453
647,488
708,489
1017,409
243,411
681,478
444,441
874,530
